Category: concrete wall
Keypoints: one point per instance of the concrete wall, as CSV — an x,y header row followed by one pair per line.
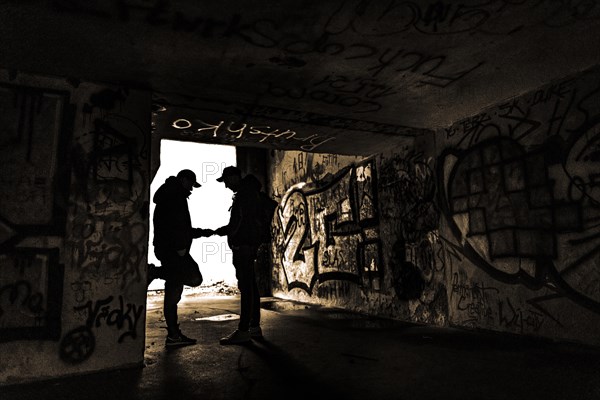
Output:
x,y
491,224
520,196
73,226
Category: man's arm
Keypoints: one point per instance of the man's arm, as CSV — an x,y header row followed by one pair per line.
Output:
x,y
199,232
222,231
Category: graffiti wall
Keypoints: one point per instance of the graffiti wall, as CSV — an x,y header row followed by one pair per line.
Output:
x,y
73,226
493,224
519,193
318,231
359,233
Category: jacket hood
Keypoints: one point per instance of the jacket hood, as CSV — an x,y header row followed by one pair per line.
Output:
x,y
170,190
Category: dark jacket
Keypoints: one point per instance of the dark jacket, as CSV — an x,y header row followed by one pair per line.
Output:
x,y
172,222
242,228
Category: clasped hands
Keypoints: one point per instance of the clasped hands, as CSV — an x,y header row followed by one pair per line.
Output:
x,y
199,232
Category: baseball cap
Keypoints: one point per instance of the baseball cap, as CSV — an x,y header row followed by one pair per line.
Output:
x,y
186,173
229,171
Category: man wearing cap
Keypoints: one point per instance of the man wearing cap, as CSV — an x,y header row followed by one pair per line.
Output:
x,y
173,235
244,240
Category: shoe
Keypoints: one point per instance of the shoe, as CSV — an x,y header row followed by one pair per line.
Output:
x,y
236,337
256,332
178,340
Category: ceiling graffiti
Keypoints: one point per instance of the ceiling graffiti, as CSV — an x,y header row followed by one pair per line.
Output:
x,y
332,71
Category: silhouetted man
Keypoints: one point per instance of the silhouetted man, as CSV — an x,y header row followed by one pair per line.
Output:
x,y
173,235
244,239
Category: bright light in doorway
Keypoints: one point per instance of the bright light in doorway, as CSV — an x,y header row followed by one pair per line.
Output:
x,y
209,204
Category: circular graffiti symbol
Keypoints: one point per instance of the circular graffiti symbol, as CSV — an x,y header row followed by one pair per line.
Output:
x,y
77,345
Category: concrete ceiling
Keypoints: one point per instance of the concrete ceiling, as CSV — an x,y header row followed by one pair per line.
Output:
x,y
352,76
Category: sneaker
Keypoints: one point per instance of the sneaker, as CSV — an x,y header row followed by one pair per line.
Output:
x,y
179,340
236,337
256,332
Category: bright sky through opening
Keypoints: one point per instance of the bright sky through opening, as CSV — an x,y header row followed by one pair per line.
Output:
x,y
209,204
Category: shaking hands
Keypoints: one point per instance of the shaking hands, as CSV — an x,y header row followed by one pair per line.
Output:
x,y
199,232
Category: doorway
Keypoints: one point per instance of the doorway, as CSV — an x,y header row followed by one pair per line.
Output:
x,y
208,205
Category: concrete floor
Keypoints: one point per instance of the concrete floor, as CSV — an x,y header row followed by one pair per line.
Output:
x,y
310,352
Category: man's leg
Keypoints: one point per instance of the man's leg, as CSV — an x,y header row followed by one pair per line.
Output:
x,y
255,329
245,286
173,291
243,261
255,304
171,263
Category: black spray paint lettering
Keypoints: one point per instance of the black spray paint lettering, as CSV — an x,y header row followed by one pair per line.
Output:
x,y
524,126
370,18
557,91
264,33
512,317
333,257
473,298
125,316
22,294
440,18
472,127
433,68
